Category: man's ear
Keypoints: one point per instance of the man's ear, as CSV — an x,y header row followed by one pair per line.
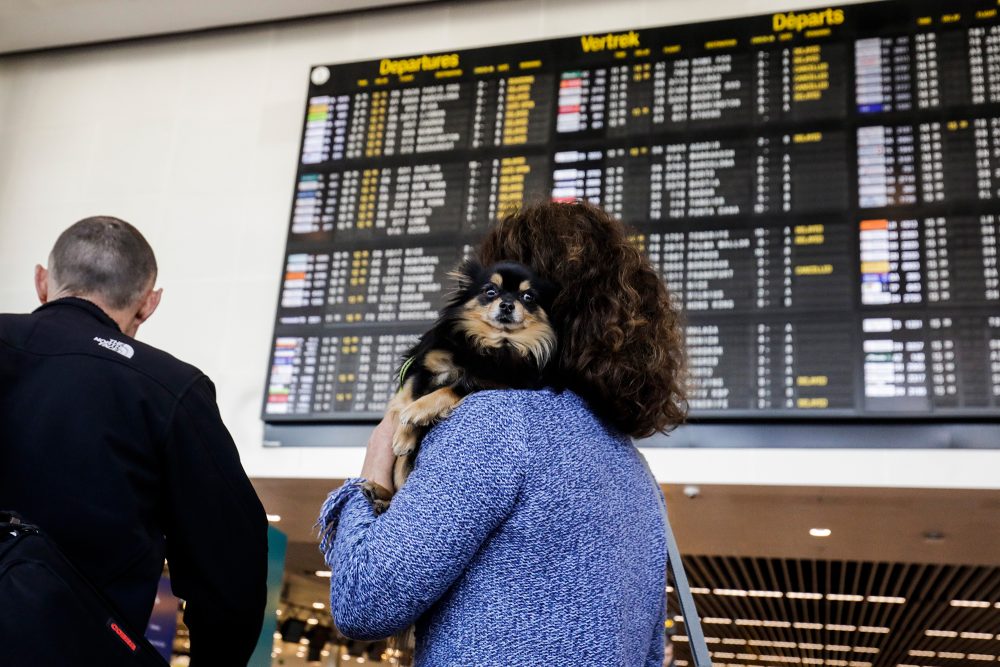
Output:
x,y
148,305
42,283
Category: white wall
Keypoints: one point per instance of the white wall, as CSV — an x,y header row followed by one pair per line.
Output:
x,y
194,140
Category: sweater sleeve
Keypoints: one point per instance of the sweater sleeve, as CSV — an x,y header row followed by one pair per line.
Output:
x,y
388,570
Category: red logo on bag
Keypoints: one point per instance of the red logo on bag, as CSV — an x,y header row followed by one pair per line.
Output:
x,y
122,636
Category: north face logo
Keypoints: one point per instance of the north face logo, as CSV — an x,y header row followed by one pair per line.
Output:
x,y
121,348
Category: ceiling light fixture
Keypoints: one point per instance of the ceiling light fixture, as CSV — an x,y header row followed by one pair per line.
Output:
x,y
318,605
820,532
326,574
731,592
763,624
765,594
274,518
804,596
843,597
981,656
975,635
874,629
980,604
941,633
887,599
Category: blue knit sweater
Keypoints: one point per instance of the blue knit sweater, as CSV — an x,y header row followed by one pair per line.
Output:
x,y
528,534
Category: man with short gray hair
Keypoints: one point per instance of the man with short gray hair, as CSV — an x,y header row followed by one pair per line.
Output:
x,y
107,262
117,449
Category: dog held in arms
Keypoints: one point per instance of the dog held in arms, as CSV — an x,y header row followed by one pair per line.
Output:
x,y
495,333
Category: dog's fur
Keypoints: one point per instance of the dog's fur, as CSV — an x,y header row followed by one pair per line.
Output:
x,y
494,333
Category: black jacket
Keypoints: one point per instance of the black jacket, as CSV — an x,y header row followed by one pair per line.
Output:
x,y
117,450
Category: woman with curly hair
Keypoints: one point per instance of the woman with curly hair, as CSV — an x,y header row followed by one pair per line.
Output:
x,y
530,531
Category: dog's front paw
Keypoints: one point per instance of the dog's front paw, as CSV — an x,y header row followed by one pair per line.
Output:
x,y
431,408
377,495
404,440
413,415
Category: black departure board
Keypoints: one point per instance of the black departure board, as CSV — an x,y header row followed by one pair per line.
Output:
x,y
820,190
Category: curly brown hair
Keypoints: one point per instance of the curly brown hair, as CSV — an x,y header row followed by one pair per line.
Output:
x,y
620,338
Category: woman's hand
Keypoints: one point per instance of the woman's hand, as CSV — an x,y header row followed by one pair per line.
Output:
x,y
379,457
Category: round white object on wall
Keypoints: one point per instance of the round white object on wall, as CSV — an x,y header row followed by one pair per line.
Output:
x,y
320,75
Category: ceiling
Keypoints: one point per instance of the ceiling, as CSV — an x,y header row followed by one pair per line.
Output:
x,y
867,524
770,594
842,613
38,24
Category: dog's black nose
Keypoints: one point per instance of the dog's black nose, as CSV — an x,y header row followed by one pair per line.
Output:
x,y
507,307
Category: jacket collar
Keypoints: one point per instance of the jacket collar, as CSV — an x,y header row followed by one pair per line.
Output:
x,y
86,306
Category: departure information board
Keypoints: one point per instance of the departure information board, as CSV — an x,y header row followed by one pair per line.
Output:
x,y
819,189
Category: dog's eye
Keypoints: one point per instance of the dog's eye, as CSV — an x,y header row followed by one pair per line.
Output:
x,y
490,292
527,297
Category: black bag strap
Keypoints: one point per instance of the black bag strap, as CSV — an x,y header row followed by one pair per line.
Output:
x,y
9,518
14,525
12,521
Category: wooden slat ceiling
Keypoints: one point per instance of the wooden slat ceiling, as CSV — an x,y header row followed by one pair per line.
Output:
x,y
758,612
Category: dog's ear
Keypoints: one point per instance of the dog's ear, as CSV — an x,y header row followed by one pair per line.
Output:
x,y
467,274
